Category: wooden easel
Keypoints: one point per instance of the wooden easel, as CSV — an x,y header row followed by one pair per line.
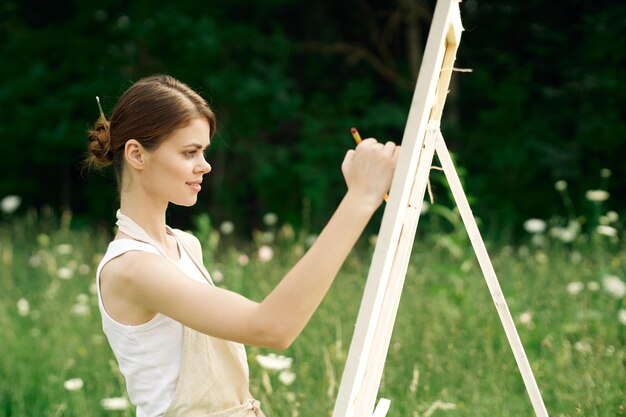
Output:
x,y
422,138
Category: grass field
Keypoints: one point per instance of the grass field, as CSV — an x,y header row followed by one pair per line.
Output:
x,y
448,355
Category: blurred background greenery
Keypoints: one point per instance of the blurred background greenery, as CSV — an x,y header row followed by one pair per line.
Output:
x,y
537,131
289,78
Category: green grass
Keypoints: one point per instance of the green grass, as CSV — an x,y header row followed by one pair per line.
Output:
x,y
448,346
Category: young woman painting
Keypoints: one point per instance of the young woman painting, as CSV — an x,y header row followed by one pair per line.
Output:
x,y
178,338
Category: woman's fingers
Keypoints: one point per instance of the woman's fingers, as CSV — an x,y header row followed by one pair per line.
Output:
x,y
396,153
349,156
389,149
347,161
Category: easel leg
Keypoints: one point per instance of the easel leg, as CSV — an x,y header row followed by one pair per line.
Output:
x,y
490,277
370,343
387,315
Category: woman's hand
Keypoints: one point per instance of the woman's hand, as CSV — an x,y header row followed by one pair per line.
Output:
x,y
369,169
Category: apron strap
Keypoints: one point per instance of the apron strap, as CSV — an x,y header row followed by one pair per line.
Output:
x,y
192,255
132,229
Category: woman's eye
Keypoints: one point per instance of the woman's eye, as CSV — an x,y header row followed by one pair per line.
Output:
x,y
192,154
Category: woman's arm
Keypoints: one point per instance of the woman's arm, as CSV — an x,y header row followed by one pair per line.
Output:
x,y
285,311
156,284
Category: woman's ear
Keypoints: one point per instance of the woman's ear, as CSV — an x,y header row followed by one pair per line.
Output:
x,y
134,153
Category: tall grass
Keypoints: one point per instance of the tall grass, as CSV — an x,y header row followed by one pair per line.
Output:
x,y
448,355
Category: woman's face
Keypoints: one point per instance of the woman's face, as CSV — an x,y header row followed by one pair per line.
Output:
x,y
173,172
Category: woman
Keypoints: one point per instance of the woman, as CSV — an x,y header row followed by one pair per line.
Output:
x,y
178,338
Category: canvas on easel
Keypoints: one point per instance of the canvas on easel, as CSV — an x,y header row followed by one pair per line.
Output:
x,y
422,137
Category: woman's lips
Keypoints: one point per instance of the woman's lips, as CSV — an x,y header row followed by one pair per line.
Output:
x,y
195,185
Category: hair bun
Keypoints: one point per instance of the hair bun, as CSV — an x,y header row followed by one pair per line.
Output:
x,y
100,144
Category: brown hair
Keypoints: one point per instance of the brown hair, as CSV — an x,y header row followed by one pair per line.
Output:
x,y
149,111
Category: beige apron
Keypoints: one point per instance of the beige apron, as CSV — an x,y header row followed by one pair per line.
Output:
x,y
213,380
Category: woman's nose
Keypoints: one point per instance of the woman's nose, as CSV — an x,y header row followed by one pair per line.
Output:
x,y
205,167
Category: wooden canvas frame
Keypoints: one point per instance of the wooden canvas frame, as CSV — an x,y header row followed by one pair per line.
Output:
x,y
422,137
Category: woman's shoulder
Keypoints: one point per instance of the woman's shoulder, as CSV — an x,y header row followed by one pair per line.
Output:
x,y
123,254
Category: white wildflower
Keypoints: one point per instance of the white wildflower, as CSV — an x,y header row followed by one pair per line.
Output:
x,y
535,226
34,261
593,286
614,286
566,234
286,377
266,253
270,219
73,384
64,249
606,230
310,239
560,185
582,347
80,310
23,307
274,362
597,195
83,269
82,298
114,403
373,239
561,233
65,273
425,207
575,287
217,276
612,216
10,203
227,227
243,259
621,316
605,173
525,318
93,288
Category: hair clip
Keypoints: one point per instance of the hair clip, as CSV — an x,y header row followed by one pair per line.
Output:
x,y
100,107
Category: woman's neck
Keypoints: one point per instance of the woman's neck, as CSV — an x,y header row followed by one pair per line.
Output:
x,y
147,213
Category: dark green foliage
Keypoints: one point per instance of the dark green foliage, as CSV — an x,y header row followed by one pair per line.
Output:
x,y
289,78
543,104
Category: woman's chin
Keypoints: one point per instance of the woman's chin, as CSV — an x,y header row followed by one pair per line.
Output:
x,y
185,202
